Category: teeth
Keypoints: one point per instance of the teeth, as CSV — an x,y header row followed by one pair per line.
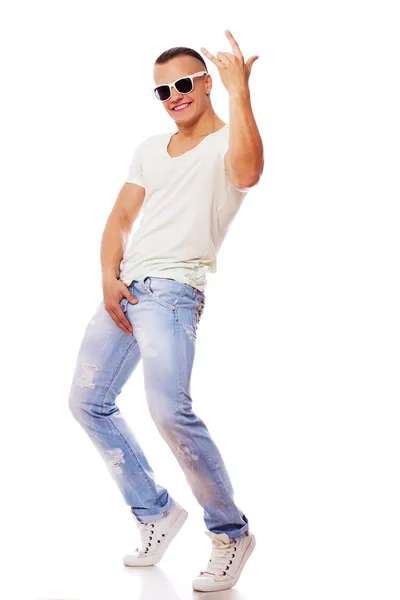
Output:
x,y
181,106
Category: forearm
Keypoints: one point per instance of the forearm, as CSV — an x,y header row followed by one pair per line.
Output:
x,y
245,144
113,245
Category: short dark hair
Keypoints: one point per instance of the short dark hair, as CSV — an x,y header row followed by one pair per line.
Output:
x,y
179,51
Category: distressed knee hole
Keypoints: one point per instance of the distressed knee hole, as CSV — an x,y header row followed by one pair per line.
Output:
x,y
185,452
86,377
116,458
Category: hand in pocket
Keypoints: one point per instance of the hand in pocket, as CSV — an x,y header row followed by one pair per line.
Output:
x,y
114,291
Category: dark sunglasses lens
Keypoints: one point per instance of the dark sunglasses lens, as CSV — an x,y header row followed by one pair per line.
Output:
x,y
184,86
162,92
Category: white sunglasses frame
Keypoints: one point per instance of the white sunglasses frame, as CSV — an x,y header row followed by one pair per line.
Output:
x,y
199,74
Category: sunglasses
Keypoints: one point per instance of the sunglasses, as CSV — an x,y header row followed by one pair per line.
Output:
x,y
184,85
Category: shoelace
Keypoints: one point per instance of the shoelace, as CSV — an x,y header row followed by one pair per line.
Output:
x,y
145,530
221,557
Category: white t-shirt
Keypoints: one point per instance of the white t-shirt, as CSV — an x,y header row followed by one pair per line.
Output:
x,y
188,207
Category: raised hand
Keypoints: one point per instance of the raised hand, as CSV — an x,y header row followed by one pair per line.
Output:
x,y
234,72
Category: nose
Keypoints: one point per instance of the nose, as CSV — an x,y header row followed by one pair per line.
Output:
x,y
175,94
176,98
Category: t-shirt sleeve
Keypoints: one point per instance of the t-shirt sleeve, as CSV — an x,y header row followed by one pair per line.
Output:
x,y
135,171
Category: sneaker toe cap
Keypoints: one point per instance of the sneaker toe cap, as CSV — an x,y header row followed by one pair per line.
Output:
x,y
211,583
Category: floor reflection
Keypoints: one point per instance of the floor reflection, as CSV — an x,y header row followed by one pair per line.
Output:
x,y
155,584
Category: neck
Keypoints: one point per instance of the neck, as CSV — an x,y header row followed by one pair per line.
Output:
x,y
206,124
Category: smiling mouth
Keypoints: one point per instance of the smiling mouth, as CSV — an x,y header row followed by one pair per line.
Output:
x,y
184,105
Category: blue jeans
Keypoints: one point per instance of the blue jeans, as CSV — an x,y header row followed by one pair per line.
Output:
x,y
164,323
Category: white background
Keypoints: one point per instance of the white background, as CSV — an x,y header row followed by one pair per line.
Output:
x,y
297,358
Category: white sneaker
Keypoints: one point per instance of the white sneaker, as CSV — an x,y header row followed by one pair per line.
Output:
x,y
156,537
226,563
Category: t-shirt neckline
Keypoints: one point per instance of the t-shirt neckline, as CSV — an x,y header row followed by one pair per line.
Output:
x,y
169,136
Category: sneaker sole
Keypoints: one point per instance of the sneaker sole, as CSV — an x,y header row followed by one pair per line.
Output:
x,y
232,583
155,558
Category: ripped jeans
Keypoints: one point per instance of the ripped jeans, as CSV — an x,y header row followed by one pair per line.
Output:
x,y
164,323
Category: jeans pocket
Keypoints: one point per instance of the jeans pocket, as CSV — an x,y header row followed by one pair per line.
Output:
x,y
197,311
164,291
123,304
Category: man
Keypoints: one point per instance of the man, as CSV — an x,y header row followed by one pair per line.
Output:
x,y
190,184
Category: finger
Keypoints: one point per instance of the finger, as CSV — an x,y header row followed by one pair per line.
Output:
x,y
210,56
234,44
120,324
224,57
119,318
132,298
123,319
251,61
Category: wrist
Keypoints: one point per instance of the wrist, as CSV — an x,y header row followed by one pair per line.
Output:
x,y
109,274
242,93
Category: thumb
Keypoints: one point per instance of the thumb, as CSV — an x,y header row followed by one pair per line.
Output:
x,y
251,61
131,297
